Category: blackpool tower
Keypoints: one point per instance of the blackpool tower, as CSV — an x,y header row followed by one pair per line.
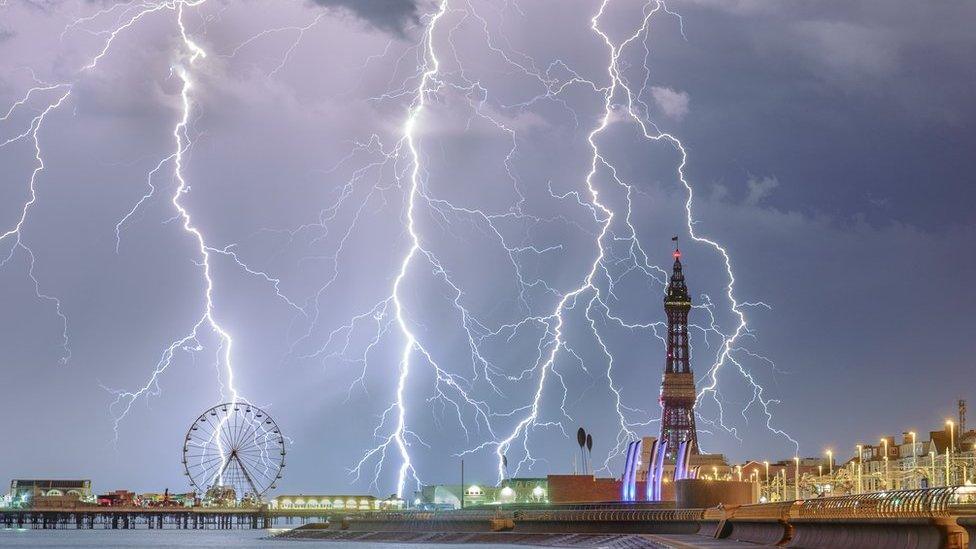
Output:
x,y
678,385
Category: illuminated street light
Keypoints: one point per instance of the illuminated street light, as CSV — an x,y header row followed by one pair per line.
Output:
x,y
538,493
796,477
914,453
887,480
784,484
952,443
769,487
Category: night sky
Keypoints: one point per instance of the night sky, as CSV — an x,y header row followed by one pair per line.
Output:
x,y
830,149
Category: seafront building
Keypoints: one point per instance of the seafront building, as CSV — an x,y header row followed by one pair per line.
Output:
x,y
942,457
346,502
519,490
49,493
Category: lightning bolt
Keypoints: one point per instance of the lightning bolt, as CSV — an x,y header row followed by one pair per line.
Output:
x,y
593,295
15,233
125,16
208,320
726,354
728,347
131,13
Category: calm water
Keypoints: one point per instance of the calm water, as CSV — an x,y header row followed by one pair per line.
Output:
x,y
185,538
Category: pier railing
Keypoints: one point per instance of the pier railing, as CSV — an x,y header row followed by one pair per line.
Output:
x,y
620,515
625,515
924,503
923,518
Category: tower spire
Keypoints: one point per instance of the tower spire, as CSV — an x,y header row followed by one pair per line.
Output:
x,y
678,384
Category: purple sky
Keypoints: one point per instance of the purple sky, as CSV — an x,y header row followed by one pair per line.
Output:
x,y
829,149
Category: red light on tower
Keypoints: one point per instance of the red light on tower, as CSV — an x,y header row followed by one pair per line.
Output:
x,y
677,253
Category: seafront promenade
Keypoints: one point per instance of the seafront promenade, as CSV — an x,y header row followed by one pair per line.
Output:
x,y
910,519
183,518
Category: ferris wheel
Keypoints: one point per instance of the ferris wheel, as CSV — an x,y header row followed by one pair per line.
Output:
x,y
234,446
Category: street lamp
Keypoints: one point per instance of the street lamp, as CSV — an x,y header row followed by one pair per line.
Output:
x,y
914,455
796,477
784,484
769,487
886,477
952,444
887,480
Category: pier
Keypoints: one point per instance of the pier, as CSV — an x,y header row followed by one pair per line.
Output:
x,y
917,519
189,518
911,519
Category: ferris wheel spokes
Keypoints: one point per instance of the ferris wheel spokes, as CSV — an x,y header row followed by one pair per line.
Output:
x,y
234,446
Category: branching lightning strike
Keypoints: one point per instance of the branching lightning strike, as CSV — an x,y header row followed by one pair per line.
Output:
x,y
596,285
617,249
126,15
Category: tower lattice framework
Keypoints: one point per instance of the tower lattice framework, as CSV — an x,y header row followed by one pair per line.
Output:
x,y
678,385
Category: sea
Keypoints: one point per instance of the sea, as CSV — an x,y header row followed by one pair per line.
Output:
x,y
13,537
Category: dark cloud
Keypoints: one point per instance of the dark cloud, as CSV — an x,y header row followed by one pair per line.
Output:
x,y
389,15
830,96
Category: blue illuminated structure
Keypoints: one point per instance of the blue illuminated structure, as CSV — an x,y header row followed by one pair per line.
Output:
x,y
655,470
629,480
657,453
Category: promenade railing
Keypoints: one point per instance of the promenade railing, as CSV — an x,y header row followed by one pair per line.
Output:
x,y
924,503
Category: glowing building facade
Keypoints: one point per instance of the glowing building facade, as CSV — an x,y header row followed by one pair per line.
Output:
x,y
50,493
334,502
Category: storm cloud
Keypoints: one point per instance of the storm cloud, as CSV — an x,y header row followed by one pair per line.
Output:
x,y
393,16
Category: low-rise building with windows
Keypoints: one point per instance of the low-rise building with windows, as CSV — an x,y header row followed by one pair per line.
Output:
x,y
336,502
50,492
510,491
